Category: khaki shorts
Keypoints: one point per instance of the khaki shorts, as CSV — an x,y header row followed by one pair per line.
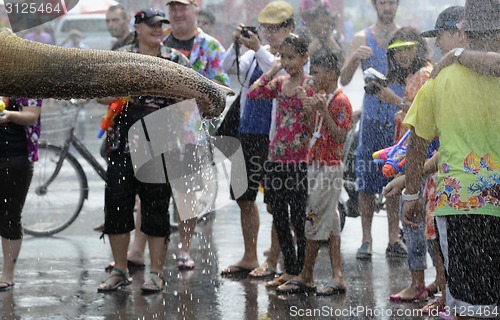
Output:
x,y
322,217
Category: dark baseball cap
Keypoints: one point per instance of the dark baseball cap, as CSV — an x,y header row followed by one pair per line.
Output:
x,y
150,16
447,20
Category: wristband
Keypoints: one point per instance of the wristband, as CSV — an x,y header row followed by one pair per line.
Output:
x,y
402,105
409,197
458,53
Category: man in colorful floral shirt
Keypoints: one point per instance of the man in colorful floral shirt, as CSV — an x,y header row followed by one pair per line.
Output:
x,y
205,54
461,105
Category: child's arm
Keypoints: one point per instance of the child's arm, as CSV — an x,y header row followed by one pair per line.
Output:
x,y
397,185
265,87
337,131
308,103
27,116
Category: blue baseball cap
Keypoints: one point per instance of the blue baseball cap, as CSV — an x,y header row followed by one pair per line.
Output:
x,y
447,20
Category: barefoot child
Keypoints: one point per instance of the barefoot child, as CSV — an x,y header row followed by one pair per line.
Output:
x,y
287,170
330,112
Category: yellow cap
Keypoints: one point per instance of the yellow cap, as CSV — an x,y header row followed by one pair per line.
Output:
x,y
399,44
275,12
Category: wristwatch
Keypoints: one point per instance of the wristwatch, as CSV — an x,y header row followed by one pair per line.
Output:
x,y
409,197
458,53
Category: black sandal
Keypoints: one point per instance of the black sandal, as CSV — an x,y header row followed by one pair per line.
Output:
x,y
120,274
158,287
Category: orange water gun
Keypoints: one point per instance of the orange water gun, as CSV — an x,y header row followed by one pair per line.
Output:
x,y
394,157
114,109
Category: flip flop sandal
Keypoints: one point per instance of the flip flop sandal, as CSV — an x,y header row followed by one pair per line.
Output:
x,y
120,274
263,273
421,290
6,288
235,271
157,288
301,288
433,305
275,283
335,290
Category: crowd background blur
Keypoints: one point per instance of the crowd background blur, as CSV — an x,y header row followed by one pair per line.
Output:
x,y
352,15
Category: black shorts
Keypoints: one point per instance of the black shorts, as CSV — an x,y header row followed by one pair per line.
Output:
x,y
255,151
15,174
470,244
119,200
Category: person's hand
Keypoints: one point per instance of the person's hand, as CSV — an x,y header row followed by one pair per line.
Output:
x,y
309,109
394,187
447,60
362,53
4,118
412,213
319,102
301,94
252,43
237,32
276,67
386,94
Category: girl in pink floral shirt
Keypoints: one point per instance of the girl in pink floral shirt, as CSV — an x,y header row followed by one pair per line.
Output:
x,y
286,177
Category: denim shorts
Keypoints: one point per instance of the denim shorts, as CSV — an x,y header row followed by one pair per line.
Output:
x,y
373,136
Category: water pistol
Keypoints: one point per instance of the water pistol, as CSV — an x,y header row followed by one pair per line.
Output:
x,y
394,157
114,109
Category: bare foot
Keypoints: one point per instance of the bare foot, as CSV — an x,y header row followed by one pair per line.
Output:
x,y
299,279
412,293
6,283
184,261
115,280
247,265
279,281
335,286
263,271
433,287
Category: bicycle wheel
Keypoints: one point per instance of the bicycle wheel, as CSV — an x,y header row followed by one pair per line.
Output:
x,y
51,208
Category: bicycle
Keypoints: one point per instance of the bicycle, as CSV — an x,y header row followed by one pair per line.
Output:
x,y
59,186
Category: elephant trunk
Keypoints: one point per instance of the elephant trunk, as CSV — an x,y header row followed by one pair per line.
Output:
x,y
34,70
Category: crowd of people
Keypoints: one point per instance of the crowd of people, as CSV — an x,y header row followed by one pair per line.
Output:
x,y
292,125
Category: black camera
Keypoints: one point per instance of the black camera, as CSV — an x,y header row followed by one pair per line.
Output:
x,y
244,31
371,75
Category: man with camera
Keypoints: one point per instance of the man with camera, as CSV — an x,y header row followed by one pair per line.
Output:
x,y
276,23
205,54
377,126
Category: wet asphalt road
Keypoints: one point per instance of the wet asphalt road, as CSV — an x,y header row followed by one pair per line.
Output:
x,y
57,277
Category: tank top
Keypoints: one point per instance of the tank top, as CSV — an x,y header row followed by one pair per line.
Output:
x,y
373,108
